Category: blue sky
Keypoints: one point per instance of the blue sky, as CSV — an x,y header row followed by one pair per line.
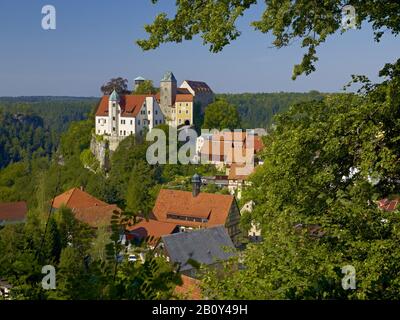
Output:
x,y
95,40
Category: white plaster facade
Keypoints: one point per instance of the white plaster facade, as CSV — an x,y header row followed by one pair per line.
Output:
x,y
116,122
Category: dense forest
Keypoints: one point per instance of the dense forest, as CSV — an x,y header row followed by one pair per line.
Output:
x,y
32,126
257,110
57,112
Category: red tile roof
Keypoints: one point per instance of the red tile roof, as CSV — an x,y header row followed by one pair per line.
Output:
x,y
389,205
150,228
190,289
213,207
258,144
77,199
182,95
184,98
86,208
13,211
96,216
130,105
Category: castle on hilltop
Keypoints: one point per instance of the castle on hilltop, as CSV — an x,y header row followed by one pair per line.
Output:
x,y
119,116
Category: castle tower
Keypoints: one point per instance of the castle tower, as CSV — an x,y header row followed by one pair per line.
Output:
x,y
167,92
113,105
138,81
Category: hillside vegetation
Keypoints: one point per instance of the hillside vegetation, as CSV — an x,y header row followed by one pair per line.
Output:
x,y
257,110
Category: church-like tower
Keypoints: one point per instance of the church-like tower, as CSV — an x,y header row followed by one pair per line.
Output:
x,y
113,106
168,87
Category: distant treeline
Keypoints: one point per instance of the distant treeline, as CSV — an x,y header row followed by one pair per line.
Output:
x,y
257,109
31,127
56,112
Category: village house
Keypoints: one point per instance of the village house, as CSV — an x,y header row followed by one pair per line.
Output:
x,y
196,210
235,152
207,247
13,212
150,229
226,148
85,207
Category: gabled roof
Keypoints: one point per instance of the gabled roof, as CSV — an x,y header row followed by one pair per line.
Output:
x,y
190,288
85,207
199,86
77,199
130,105
213,207
204,246
150,228
13,211
96,216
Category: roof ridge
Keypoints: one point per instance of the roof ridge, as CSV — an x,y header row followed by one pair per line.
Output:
x,y
70,196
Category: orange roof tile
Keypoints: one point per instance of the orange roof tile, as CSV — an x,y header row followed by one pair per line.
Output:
x,y
258,144
13,211
96,216
86,208
213,207
77,199
130,105
190,289
184,98
150,228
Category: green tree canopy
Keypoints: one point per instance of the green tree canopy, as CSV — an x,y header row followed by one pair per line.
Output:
x,y
221,115
311,22
326,165
118,84
146,87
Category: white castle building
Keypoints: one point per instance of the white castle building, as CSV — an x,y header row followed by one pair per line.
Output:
x,y
121,116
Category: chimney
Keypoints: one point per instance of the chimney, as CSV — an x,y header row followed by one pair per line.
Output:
x,y
196,183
